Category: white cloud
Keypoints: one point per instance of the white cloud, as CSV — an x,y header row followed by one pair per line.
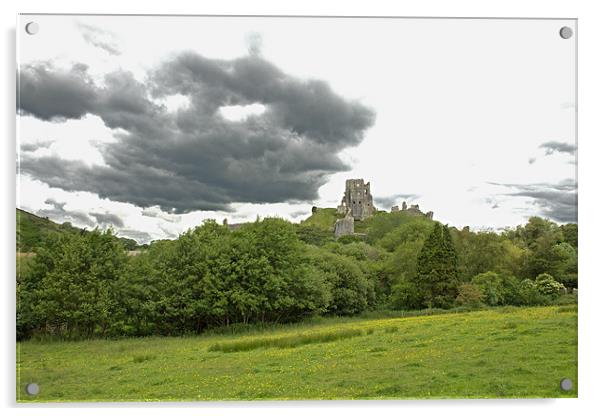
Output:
x,y
241,112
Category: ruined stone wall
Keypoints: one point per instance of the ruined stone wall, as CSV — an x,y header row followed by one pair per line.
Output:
x,y
344,226
357,199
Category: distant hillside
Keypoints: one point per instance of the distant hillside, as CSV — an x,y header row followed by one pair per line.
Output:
x,y
375,227
323,218
32,231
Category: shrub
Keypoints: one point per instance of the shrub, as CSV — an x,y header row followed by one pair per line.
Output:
x,y
470,295
490,285
311,234
405,296
348,285
349,239
68,290
547,286
530,295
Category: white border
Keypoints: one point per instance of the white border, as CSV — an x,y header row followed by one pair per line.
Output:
x,y
590,122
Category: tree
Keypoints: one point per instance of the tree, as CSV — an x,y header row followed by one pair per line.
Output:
x,y
570,233
487,251
69,289
349,289
437,269
564,264
405,295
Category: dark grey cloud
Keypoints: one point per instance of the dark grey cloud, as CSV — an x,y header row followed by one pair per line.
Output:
x,y
557,201
558,147
107,219
99,38
194,159
532,160
390,200
59,214
32,147
53,94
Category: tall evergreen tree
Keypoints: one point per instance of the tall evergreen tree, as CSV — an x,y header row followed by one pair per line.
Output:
x,y
437,268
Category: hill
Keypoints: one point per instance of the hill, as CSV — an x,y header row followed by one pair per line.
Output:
x,y
381,223
502,352
33,230
323,218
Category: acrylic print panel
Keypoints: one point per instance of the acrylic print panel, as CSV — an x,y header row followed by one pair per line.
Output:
x,y
295,208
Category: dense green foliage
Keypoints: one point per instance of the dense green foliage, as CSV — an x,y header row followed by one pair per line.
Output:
x,y
501,352
67,288
82,284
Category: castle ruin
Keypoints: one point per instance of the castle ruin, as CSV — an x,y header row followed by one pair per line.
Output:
x,y
357,200
357,205
412,210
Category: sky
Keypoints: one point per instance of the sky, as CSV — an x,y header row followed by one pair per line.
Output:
x,y
150,124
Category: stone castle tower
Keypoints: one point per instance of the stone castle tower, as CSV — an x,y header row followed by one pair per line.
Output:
x,y
357,200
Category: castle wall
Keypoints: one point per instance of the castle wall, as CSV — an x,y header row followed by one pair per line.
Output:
x,y
357,199
344,226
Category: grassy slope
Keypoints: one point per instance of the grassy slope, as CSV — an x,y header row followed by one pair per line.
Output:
x,y
33,230
508,352
381,223
324,218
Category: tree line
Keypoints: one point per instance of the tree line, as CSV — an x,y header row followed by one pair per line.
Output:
x,y
85,285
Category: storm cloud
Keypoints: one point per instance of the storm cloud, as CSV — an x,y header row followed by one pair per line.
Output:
x,y
32,147
55,95
557,201
193,158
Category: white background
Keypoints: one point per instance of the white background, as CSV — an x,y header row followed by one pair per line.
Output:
x,y
590,113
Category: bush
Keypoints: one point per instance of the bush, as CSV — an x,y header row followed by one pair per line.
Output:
x,y
530,295
405,296
490,285
350,239
470,295
547,286
68,290
348,285
311,234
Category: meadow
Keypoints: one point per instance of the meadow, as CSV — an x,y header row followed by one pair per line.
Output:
x,y
500,352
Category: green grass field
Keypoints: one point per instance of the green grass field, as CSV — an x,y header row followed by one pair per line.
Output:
x,y
503,352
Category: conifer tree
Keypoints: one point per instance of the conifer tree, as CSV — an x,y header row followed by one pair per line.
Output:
x,y
437,269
